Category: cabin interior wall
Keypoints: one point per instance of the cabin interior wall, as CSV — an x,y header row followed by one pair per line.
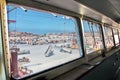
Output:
x,y
65,68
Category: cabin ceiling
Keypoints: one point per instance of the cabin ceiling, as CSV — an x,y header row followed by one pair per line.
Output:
x,y
106,11
110,8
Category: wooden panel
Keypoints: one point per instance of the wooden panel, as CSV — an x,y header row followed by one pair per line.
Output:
x,y
3,51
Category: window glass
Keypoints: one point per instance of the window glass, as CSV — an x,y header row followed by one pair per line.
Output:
x,y
108,37
40,40
93,37
115,31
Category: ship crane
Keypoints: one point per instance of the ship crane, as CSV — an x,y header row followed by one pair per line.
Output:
x,y
49,51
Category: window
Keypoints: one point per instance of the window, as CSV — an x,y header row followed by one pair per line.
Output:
x,y
108,37
115,31
40,40
92,36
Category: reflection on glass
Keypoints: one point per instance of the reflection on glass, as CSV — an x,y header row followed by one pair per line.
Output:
x,y
93,37
39,41
115,31
108,37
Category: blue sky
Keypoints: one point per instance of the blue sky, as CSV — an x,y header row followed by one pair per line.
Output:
x,y
38,22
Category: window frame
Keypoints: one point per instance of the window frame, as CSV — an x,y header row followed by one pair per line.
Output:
x,y
107,26
116,44
96,53
82,58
